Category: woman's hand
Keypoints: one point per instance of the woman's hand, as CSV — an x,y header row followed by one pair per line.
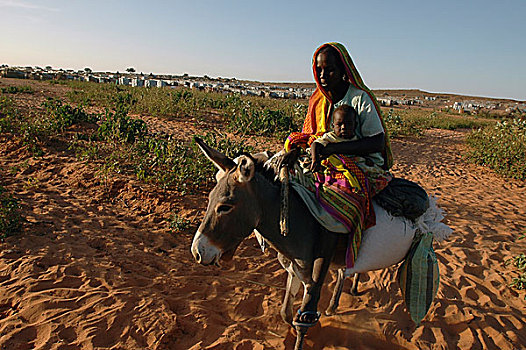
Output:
x,y
315,166
289,159
316,157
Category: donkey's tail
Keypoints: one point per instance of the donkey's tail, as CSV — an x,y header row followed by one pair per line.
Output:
x,y
431,221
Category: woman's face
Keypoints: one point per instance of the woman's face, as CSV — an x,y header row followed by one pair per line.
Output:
x,y
328,71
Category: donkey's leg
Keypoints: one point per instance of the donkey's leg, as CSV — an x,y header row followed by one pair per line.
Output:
x,y
324,251
335,300
293,286
354,288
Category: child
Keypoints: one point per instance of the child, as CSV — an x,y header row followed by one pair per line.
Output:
x,y
344,126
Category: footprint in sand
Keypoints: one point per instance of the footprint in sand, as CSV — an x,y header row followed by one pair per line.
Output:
x,y
249,306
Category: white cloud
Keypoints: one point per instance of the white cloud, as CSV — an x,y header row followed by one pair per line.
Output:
x,y
25,5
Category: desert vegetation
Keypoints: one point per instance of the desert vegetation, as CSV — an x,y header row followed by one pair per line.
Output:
x,y
17,89
121,142
109,175
519,264
501,147
10,218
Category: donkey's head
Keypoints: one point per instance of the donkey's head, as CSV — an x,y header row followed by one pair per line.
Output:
x,y
233,210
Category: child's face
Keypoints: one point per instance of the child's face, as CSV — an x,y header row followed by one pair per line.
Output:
x,y
344,125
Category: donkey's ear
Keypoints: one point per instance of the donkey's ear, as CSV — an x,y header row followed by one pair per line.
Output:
x,y
245,169
221,161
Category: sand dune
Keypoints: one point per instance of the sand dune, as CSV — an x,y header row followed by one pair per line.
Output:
x,y
97,268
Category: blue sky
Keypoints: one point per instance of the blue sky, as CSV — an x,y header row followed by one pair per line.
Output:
x,y
467,47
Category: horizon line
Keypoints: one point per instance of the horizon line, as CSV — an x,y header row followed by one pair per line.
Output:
x,y
266,81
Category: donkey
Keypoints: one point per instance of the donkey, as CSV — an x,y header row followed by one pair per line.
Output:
x,y
246,198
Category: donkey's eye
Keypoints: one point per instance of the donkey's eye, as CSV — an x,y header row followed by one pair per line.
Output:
x,y
224,208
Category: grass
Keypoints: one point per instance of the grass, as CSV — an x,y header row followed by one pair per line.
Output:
x,y
519,262
118,143
123,145
17,89
178,223
35,129
414,121
501,147
10,219
243,115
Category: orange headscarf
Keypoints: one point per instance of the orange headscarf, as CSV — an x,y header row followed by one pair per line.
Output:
x,y
319,104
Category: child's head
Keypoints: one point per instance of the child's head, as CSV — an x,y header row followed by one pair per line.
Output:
x,y
344,121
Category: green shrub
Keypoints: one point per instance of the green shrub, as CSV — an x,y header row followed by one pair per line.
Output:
x,y
123,102
399,126
502,147
415,121
119,126
519,262
12,122
55,119
243,114
178,224
7,114
61,116
160,102
166,162
17,89
173,163
32,137
250,119
10,219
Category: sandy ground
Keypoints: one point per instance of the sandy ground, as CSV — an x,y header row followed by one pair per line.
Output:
x,y
97,268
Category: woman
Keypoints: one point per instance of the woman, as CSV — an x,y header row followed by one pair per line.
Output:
x,y
343,188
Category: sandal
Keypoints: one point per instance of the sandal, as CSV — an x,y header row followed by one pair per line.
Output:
x,y
306,318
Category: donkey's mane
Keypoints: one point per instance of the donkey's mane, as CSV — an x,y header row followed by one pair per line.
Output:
x,y
267,168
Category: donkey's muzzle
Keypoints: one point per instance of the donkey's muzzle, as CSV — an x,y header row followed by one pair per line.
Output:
x,y
204,251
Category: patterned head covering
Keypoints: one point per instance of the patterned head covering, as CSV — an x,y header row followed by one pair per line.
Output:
x,y
320,102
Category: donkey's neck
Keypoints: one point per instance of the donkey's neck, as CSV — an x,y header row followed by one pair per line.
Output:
x,y
303,228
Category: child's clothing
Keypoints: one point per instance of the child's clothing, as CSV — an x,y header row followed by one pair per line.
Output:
x,y
370,164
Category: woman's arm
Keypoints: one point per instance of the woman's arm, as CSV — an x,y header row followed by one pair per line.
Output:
x,y
359,147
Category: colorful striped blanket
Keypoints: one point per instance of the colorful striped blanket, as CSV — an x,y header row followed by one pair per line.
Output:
x,y
342,190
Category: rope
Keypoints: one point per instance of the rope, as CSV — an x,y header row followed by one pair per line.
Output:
x,y
284,202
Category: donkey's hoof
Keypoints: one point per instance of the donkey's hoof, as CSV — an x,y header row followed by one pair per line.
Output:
x,y
286,316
